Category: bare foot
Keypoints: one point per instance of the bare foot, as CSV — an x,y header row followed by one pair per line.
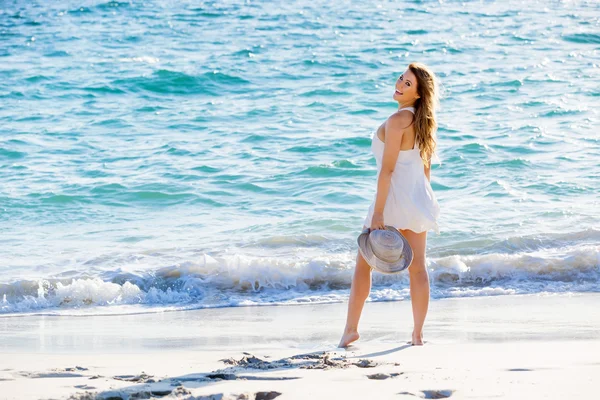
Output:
x,y
348,338
417,340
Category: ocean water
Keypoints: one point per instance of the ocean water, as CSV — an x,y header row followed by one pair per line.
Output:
x,y
164,155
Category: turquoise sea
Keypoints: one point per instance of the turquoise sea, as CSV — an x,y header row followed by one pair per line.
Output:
x,y
159,155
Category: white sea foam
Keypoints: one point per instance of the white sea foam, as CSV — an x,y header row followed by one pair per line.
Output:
x,y
241,280
142,59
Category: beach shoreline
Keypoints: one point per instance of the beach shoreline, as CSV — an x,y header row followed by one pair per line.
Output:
x,y
500,347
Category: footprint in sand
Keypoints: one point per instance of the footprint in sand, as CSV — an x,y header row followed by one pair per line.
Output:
x,y
267,395
431,394
381,376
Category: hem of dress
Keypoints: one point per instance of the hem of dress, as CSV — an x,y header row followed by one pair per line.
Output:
x,y
434,228
437,232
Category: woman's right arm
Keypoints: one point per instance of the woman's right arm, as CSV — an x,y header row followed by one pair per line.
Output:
x,y
394,130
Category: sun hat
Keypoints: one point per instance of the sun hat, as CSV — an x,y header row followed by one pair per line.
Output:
x,y
385,250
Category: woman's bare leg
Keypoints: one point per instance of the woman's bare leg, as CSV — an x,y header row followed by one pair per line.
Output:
x,y
419,282
361,286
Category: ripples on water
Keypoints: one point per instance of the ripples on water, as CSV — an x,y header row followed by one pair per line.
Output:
x,y
229,142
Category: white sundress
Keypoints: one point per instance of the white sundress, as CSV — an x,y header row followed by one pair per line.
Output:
x,y
411,202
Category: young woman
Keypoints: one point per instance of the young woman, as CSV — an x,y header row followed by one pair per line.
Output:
x,y
403,147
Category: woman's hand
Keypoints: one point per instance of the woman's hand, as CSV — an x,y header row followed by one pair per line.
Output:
x,y
377,221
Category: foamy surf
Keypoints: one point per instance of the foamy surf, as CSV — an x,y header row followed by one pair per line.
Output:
x,y
243,280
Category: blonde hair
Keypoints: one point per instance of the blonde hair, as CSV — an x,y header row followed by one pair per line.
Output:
x,y
425,124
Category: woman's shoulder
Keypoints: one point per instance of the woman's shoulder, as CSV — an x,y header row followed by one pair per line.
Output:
x,y
400,119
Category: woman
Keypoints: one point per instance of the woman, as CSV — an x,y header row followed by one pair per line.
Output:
x,y
403,146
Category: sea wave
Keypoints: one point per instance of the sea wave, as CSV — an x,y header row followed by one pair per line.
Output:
x,y
241,280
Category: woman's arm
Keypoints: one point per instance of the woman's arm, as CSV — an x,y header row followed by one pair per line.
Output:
x,y
394,130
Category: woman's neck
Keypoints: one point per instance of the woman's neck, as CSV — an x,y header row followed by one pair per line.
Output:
x,y
401,106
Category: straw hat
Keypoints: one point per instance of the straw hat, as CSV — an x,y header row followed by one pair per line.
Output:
x,y
385,250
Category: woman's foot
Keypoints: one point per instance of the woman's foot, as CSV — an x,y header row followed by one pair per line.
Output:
x,y
417,340
348,338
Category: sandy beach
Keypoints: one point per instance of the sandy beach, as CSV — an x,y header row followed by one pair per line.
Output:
x,y
505,347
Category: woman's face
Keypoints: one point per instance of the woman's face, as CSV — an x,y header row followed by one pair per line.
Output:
x,y
406,88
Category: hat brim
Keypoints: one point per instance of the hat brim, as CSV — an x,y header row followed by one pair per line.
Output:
x,y
382,266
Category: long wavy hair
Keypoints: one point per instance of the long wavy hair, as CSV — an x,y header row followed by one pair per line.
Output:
x,y
425,124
